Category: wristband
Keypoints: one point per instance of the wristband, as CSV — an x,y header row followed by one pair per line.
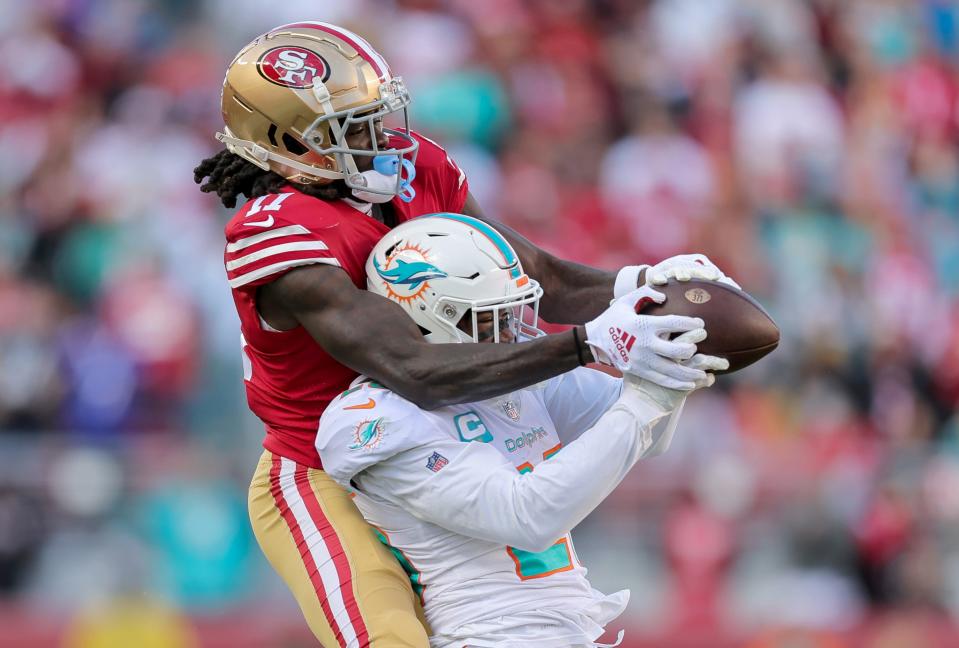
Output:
x,y
627,280
579,347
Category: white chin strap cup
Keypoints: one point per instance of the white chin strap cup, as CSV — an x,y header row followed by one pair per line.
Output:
x,y
380,184
377,188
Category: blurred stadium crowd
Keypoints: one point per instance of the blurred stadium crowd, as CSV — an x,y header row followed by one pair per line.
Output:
x,y
808,147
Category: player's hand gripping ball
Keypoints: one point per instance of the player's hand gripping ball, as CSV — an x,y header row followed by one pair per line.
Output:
x,y
737,327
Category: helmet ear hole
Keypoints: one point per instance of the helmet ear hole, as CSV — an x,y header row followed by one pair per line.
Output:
x,y
271,135
293,146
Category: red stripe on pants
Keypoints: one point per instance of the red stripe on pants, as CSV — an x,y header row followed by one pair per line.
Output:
x,y
335,548
283,506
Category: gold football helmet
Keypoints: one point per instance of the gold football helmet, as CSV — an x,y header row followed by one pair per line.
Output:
x,y
291,95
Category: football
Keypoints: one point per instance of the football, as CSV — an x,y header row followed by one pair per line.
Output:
x,y
738,328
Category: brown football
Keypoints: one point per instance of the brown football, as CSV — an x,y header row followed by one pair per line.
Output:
x,y
738,328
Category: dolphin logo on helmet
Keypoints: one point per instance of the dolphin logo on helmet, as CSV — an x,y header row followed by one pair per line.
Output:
x,y
481,278
409,273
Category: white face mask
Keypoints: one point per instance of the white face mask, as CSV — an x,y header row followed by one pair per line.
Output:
x,y
378,185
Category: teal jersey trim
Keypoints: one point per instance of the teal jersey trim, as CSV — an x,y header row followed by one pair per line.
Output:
x,y
495,237
414,574
372,384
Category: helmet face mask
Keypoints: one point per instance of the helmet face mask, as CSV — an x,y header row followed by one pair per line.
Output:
x,y
329,133
457,278
292,95
518,315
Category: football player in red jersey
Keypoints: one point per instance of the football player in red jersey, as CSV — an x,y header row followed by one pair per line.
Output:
x,y
305,109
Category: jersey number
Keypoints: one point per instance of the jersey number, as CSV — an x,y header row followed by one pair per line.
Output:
x,y
274,205
540,564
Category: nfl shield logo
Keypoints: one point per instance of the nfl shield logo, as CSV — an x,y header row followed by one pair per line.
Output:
x,y
436,461
511,409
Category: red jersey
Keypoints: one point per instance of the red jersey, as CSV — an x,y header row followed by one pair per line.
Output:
x,y
289,378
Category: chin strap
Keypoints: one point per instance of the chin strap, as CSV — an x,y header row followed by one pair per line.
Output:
x,y
379,184
261,157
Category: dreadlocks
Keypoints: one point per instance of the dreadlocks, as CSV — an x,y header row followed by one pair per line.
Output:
x,y
231,176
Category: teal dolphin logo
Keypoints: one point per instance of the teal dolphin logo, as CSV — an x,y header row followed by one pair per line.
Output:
x,y
367,434
409,273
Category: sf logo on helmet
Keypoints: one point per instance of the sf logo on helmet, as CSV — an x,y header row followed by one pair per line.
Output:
x,y
293,67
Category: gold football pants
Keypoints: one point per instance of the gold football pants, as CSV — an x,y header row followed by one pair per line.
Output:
x,y
352,591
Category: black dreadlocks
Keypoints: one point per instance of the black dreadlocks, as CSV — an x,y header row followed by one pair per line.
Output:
x,y
231,176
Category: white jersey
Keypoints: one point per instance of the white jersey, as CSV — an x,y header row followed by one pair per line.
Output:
x,y
476,500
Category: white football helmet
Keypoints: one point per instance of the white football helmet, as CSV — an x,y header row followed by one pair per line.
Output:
x,y
441,267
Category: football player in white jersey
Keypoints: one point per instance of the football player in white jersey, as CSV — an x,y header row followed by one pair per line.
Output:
x,y
477,500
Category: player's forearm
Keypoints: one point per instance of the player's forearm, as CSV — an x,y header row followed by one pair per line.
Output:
x,y
573,293
563,490
436,375
531,511
375,337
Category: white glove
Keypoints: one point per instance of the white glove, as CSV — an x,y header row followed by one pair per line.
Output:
x,y
684,267
707,363
640,344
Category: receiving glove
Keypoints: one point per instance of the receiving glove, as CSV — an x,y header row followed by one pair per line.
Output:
x,y
640,344
682,267
707,363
